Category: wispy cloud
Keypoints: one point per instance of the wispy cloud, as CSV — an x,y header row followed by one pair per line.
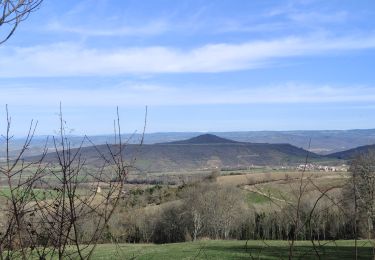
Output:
x,y
158,95
316,17
149,29
309,14
71,59
241,27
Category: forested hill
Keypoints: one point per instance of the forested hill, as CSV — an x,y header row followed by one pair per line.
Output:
x,y
202,152
351,153
204,139
322,141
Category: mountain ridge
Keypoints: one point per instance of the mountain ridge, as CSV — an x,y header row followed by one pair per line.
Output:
x,y
351,153
204,139
322,141
212,151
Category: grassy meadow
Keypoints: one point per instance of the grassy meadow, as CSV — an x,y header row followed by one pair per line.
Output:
x,y
231,249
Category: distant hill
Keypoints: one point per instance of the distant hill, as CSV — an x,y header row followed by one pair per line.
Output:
x,y
202,152
351,153
204,139
322,141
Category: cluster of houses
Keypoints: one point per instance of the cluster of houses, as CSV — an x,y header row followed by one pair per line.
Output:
x,y
324,168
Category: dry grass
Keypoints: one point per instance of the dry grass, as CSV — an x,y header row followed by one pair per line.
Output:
x,y
283,187
256,178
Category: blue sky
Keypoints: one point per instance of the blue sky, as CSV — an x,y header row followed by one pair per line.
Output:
x,y
198,65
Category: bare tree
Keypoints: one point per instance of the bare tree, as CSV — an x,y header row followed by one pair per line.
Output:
x,y
214,209
196,208
13,12
362,187
47,222
19,178
303,211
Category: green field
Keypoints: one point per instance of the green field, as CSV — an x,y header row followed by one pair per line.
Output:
x,y
40,194
254,198
232,249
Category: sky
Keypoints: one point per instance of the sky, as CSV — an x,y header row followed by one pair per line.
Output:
x,y
198,65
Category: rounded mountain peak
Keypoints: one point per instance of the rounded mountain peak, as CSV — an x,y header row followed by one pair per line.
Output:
x,y
205,139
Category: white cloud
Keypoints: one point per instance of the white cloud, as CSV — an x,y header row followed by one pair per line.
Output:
x,y
157,95
70,59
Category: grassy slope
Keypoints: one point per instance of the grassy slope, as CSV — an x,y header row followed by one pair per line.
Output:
x,y
231,250
257,187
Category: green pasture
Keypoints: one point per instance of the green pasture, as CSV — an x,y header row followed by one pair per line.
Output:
x,y
232,249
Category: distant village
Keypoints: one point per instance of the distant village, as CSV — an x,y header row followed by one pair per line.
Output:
x,y
324,168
